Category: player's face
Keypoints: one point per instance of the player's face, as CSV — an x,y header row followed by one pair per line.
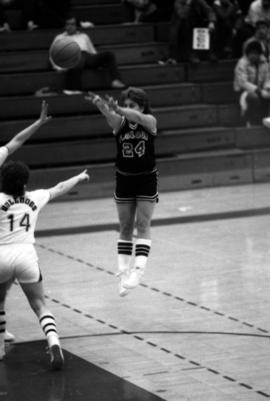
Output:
x,y
254,57
71,26
130,104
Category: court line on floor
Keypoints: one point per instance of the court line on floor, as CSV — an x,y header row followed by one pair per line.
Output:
x,y
151,343
198,218
157,290
166,350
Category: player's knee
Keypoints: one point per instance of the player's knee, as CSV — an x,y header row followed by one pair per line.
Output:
x,y
126,229
143,227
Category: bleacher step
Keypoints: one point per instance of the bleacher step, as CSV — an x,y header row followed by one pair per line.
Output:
x,y
41,39
159,95
94,124
183,172
38,60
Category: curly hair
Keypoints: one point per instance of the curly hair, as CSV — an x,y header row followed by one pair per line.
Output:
x,y
15,176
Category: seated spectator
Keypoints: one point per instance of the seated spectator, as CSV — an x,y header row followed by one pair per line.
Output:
x,y
90,58
252,84
29,13
187,15
227,14
261,34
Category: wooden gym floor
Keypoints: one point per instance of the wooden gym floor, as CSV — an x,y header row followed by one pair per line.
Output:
x,y
196,329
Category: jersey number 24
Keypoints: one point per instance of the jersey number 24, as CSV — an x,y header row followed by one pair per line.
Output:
x,y
130,151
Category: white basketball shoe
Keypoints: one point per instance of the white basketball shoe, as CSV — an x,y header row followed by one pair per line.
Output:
x,y
122,278
9,337
134,278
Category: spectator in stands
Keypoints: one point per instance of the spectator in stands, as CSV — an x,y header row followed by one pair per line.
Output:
x,y
261,34
258,10
90,58
53,13
252,83
148,10
244,5
227,15
142,10
187,15
29,13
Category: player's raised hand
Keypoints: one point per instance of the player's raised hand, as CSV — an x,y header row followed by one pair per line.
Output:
x,y
93,98
112,103
44,117
83,176
98,101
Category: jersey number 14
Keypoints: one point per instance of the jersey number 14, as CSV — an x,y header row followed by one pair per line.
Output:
x,y
24,222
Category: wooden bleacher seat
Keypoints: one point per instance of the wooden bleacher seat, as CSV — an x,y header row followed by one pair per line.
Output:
x,y
182,94
201,140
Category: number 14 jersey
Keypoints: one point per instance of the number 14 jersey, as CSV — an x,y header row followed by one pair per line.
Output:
x,y
135,148
18,216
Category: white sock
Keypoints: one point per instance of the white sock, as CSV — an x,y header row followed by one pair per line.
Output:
x,y
124,250
142,250
47,322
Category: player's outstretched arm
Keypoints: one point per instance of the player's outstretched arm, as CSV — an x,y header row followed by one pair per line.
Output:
x,y
17,141
65,186
114,120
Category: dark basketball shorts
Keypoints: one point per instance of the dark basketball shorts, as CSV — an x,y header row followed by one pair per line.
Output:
x,y
136,187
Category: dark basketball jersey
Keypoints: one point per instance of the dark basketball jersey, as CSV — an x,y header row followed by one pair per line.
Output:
x,y
135,148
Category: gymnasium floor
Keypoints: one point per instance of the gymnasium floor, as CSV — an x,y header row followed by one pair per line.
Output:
x,y
197,328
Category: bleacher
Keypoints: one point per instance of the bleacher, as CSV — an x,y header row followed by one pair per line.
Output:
x,y
201,140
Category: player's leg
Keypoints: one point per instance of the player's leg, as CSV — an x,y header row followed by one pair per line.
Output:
x,y
147,196
126,209
9,337
3,292
35,295
145,211
28,275
126,214
6,278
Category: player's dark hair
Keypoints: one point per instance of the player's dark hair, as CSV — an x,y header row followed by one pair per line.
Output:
x,y
138,96
76,19
15,176
253,46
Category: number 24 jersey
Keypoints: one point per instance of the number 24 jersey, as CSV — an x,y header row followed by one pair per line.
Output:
x,y
135,148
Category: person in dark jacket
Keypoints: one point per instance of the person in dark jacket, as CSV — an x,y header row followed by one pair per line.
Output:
x,y
187,15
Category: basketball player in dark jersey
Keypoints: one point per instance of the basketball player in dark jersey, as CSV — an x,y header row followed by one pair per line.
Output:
x,y
135,129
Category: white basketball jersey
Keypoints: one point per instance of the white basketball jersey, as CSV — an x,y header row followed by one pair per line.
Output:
x,y
3,154
18,217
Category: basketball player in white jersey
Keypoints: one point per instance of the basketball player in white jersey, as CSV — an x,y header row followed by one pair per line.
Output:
x,y
18,258
15,143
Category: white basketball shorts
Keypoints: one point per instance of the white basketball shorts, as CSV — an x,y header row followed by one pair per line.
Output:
x,y
19,261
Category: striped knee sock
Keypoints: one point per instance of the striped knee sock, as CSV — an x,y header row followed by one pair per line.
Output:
x,y
2,325
48,325
142,250
124,249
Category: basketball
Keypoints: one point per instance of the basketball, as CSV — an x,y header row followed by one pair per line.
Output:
x,y
65,52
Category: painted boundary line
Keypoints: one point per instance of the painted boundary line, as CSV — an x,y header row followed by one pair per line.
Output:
x,y
194,364
151,343
157,290
199,218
